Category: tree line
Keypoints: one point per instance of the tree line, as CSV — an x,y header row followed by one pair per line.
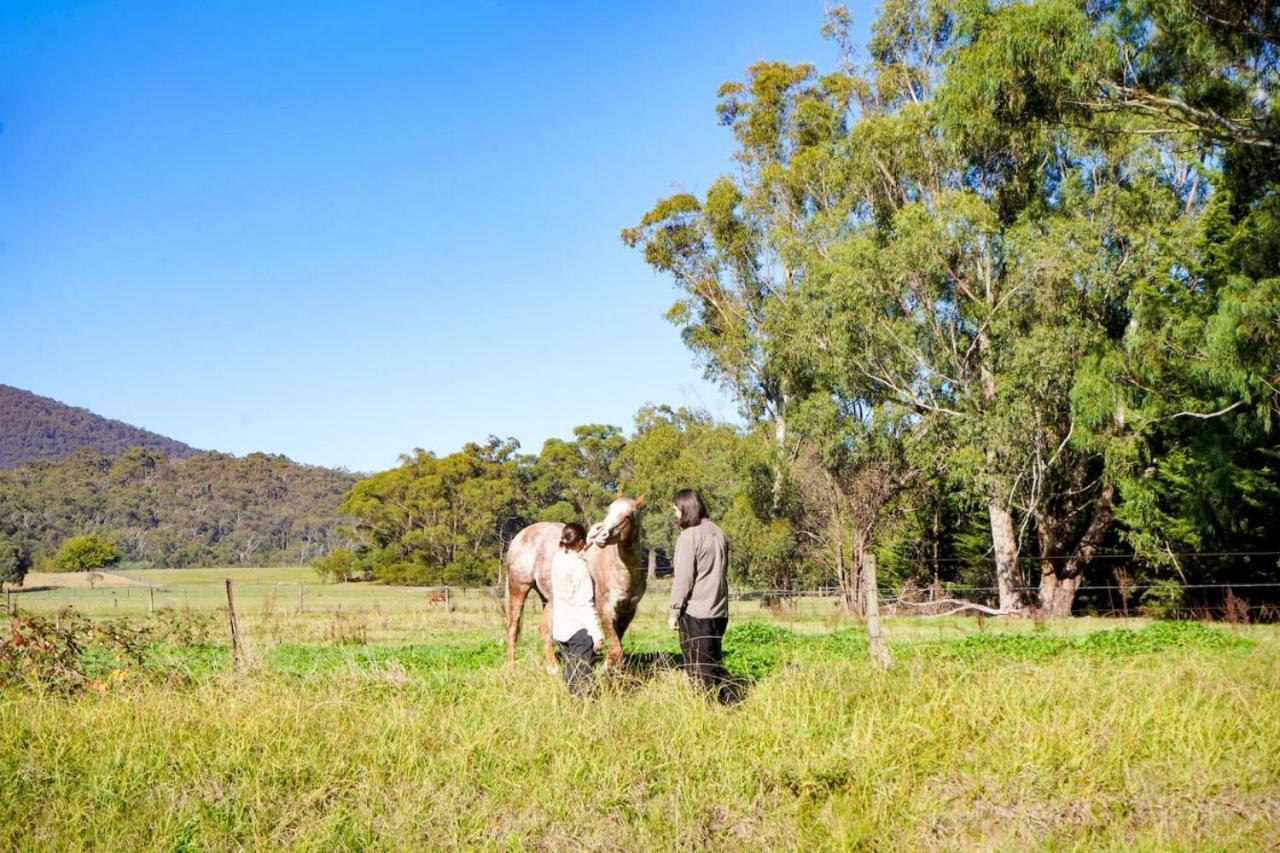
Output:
x,y
997,295
206,510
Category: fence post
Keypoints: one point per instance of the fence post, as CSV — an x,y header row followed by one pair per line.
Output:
x,y
152,590
235,628
299,597
879,651
448,602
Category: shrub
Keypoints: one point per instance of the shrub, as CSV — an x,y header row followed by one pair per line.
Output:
x,y
71,652
340,565
1163,600
406,573
83,553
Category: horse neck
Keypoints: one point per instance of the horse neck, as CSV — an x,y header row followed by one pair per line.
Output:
x,y
627,553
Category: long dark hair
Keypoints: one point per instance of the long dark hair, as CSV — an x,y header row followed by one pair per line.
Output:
x,y
572,534
690,507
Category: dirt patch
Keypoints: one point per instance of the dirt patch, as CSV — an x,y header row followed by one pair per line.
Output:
x,y
74,580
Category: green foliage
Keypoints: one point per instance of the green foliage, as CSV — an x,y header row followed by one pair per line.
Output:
x,y
439,519
1113,644
82,553
985,258
1164,599
72,653
207,510
15,561
341,565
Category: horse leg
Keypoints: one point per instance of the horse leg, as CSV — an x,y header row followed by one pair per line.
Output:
x,y
548,646
626,613
612,638
516,595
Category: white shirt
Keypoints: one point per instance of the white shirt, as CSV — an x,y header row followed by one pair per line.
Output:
x,y
573,597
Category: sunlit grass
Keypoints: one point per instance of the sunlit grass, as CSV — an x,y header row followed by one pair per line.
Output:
x,y
1162,737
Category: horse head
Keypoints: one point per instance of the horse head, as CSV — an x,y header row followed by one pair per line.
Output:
x,y
620,522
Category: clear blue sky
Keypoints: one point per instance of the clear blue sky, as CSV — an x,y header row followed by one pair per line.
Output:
x,y
343,230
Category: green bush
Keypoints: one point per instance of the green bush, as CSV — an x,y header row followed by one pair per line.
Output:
x,y
84,553
1164,600
406,573
341,565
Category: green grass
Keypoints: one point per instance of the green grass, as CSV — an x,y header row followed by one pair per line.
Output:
x,y
992,734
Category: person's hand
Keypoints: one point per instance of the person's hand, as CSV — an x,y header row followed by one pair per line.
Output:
x,y
673,621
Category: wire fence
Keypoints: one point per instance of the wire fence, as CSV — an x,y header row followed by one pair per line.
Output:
x,y
1256,598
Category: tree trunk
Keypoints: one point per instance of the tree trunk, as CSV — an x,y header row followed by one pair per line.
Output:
x,y
1057,593
1004,543
653,565
779,436
1059,579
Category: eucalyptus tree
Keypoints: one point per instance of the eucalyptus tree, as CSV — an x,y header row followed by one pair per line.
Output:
x,y
741,257
988,277
1178,100
575,480
437,518
15,561
733,470
895,249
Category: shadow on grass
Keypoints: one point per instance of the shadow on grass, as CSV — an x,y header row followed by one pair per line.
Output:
x,y
641,667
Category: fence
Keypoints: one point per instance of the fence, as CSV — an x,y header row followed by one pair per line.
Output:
x,y
1252,601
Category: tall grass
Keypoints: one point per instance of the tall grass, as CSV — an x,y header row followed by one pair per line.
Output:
x,y
1158,740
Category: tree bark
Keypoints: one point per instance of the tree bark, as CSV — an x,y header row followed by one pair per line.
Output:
x,y
1004,543
1059,579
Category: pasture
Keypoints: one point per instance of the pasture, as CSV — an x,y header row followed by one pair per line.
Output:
x,y
377,719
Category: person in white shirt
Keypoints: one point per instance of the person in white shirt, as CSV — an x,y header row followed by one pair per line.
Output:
x,y
575,624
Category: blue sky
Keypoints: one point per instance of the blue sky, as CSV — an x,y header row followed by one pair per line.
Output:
x,y
340,231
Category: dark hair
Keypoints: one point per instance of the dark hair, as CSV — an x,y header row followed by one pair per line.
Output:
x,y
690,507
572,534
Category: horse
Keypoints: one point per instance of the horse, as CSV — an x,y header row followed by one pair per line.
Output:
x,y
613,557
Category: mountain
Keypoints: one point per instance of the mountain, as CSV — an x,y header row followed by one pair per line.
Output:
x,y
34,427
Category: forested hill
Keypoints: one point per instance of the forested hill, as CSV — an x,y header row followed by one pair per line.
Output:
x,y
34,427
207,510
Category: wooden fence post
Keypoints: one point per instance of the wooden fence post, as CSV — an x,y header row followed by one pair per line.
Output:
x,y
879,651
152,590
235,628
299,598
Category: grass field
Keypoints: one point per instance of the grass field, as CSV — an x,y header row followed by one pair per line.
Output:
x,y
374,719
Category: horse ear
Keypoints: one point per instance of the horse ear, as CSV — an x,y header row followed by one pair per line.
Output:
x,y
639,501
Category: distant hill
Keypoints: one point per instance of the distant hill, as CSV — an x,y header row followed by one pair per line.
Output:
x,y
206,510
34,427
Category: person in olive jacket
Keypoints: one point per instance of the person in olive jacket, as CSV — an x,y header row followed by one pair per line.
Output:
x,y
700,594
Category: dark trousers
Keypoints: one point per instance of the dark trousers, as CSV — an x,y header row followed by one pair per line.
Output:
x,y
700,643
576,656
